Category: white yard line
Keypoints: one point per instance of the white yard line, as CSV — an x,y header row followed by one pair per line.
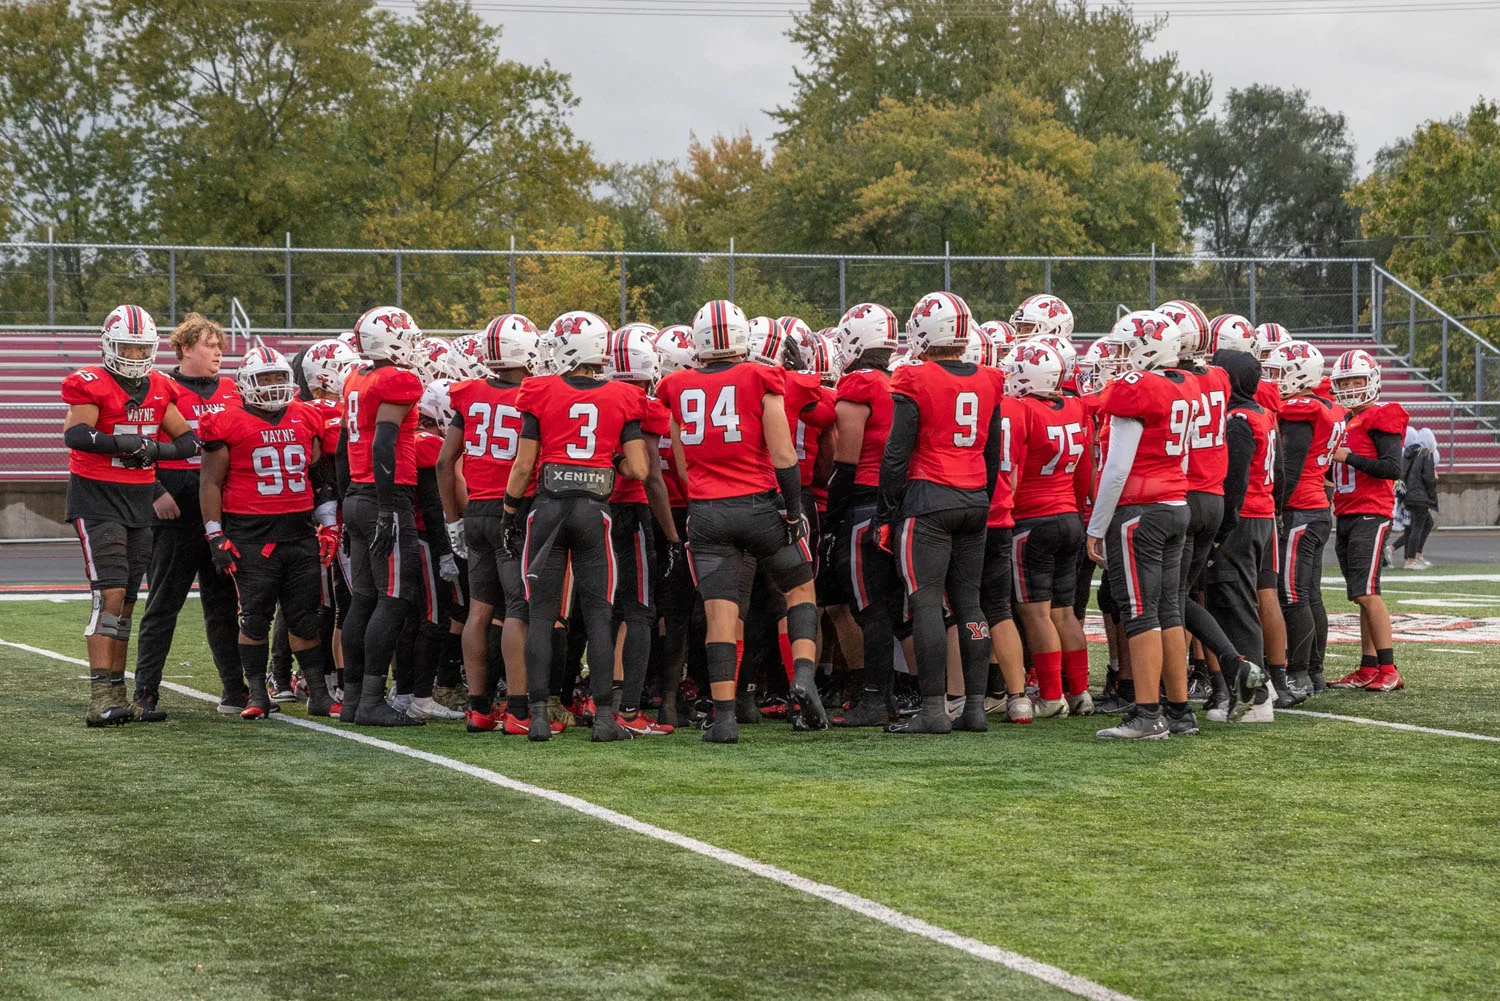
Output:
x,y
1079,986
1392,726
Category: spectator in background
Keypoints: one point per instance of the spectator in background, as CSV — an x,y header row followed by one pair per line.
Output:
x,y
1419,473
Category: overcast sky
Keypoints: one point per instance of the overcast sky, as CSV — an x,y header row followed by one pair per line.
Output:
x,y
645,83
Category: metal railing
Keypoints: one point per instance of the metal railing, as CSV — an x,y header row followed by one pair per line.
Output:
x,y
1458,361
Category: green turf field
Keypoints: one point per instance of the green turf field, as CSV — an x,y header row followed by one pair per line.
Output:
x,y
207,857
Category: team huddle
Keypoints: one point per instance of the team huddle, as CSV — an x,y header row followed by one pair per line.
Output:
x,y
631,529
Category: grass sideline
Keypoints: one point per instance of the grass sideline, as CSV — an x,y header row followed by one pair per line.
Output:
x,y
1311,858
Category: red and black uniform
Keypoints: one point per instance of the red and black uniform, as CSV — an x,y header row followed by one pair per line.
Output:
x,y
1364,492
1148,517
179,551
486,413
809,412
936,477
1311,428
633,535
579,424
108,502
1246,539
996,584
1053,438
424,635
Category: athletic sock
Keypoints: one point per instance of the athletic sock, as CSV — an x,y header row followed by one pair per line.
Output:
x,y
1048,667
1148,709
517,706
1075,671
739,658
784,640
481,703
253,661
1368,660
1127,689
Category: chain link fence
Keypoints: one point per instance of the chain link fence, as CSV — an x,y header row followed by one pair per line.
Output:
x,y
318,288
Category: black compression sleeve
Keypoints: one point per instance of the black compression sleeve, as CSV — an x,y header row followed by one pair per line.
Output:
x,y
840,487
1387,463
906,419
992,454
630,432
82,438
383,454
184,446
531,428
341,463
430,503
1296,443
789,480
1241,440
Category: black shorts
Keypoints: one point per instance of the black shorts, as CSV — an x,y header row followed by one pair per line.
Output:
x,y
995,581
1205,514
568,548
494,574
285,573
114,556
1358,543
1083,583
1044,558
728,535
1268,578
1239,559
1304,535
1144,555
635,554
399,575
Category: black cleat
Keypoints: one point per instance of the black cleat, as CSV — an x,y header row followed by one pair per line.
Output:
x,y
722,731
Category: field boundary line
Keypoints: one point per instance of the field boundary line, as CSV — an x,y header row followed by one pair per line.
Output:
x,y
1057,977
1388,724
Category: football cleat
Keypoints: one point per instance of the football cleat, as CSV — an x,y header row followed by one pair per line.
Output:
x,y
1137,727
641,726
1262,706
1184,723
868,711
430,708
283,694
1388,680
253,712
774,707
478,722
582,710
1081,704
1019,710
1050,708
1356,679
558,713
746,711
954,706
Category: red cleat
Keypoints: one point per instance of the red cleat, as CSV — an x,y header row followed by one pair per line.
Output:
x,y
513,725
641,726
252,712
335,709
1356,679
478,722
583,711
1388,680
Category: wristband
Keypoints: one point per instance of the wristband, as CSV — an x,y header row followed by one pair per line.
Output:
x,y
212,528
514,502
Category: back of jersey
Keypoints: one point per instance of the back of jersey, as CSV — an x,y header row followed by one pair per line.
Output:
x,y
1163,402
718,413
1326,419
956,401
872,388
1208,459
1053,436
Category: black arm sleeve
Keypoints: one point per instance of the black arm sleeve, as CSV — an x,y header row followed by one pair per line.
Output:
x,y
341,463
789,481
82,438
630,432
992,454
531,428
1241,450
840,488
184,446
905,420
430,503
1296,443
383,454
1387,462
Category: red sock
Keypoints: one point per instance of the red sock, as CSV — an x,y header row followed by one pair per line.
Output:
x,y
739,657
786,656
1048,673
1075,669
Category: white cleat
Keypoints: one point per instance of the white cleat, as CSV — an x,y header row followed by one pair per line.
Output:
x,y
955,706
1019,710
431,709
1051,708
1262,707
1081,704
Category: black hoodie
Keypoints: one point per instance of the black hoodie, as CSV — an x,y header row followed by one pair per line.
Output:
x,y
1244,378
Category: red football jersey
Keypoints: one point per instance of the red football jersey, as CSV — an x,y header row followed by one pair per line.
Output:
x,y
1163,402
1260,488
1002,501
268,459
871,387
809,412
655,420
955,412
1268,395
364,391
1053,437
118,414
580,425
1360,493
676,489
718,414
332,412
192,407
1208,459
492,432
1327,420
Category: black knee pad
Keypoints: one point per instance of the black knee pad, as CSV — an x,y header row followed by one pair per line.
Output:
x,y
802,621
255,627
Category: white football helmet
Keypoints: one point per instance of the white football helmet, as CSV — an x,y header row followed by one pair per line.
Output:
x,y
512,341
1268,336
1355,378
1138,342
327,364
578,338
388,333
632,355
432,359
797,332
1295,367
265,379
1042,314
868,326
767,341
1063,345
720,330
1002,333
1090,378
1035,368
1235,333
466,358
129,328
982,349
1192,324
350,340
825,359
435,405
674,345
938,320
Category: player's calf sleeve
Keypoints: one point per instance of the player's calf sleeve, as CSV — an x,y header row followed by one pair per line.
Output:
x,y
1048,666
450,666
1299,635
494,661
557,668
432,641
637,658
784,642
1075,671
253,661
722,661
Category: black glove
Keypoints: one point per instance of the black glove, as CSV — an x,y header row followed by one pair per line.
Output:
x,y
143,456
793,524
825,549
676,557
514,533
384,538
223,552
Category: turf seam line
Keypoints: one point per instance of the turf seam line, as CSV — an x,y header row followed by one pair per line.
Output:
x,y
1073,984
1409,727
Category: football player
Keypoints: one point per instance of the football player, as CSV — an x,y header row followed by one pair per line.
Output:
x,y
257,495
734,447
579,431
681,630
380,427
114,412
1141,509
941,458
178,552
1366,467
1042,314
